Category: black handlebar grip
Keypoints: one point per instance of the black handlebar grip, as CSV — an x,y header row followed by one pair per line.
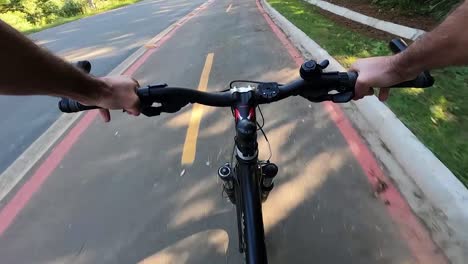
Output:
x,y
424,80
71,106
352,78
84,66
397,45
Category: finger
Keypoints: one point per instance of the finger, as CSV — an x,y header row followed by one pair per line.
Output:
x,y
132,113
360,90
135,108
105,114
136,82
383,94
370,91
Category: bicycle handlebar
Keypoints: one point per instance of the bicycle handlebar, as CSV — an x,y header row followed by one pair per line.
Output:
x,y
162,94
173,99
424,80
314,84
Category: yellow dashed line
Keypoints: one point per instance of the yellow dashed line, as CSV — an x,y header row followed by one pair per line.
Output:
x,y
190,145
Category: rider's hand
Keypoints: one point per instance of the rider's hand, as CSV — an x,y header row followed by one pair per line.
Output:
x,y
119,92
377,72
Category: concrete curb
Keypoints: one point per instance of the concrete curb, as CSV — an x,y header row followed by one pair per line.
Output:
x,y
395,29
25,162
445,193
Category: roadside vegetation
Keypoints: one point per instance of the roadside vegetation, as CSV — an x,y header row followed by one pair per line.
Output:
x,y
437,116
30,16
435,8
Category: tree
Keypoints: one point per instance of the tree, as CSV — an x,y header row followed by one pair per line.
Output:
x,y
11,6
91,4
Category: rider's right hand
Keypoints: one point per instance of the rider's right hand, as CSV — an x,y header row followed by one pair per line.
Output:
x,y
116,92
377,72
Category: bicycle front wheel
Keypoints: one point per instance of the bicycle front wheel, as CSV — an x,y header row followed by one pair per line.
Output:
x,y
253,233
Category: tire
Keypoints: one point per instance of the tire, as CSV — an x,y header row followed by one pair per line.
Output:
x,y
251,206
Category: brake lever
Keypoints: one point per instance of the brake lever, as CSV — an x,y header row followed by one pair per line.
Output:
x,y
151,111
166,107
147,100
341,97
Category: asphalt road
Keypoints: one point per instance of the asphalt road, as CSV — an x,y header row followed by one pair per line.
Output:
x,y
106,39
121,194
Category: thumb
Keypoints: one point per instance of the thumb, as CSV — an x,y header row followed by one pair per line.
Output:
x,y
134,109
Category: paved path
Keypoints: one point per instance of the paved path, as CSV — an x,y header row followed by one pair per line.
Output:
x,y
121,194
106,39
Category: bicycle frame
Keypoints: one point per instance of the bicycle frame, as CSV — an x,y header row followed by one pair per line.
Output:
x,y
247,177
250,187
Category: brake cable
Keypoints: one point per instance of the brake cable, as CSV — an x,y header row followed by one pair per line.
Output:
x,y
268,142
263,118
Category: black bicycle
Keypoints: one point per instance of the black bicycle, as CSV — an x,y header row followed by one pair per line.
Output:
x,y
248,182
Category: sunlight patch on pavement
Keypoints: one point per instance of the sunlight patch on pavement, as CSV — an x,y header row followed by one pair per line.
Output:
x,y
44,41
221,126
196,190
88,53
284,75
69,31
195,211
161,11
194,203
277,137
210,245
121,37
175,6
289,195
179,120
183,119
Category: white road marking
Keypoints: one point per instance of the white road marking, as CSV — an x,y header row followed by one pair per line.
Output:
x,y
18,169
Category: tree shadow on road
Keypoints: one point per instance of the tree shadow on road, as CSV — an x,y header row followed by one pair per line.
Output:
x,y
322,207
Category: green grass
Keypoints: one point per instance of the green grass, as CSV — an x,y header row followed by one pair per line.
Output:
x,y
437,116
62,20
438,9
28,28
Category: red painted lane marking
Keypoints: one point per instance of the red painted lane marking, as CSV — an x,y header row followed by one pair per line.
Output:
x,y
416,236
33,184
293,52
16,204
138,63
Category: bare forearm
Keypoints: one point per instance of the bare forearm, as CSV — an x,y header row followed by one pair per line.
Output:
x,y
445,46
26,69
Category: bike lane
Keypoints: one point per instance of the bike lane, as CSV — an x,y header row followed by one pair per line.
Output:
x,y
106,39
122,195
